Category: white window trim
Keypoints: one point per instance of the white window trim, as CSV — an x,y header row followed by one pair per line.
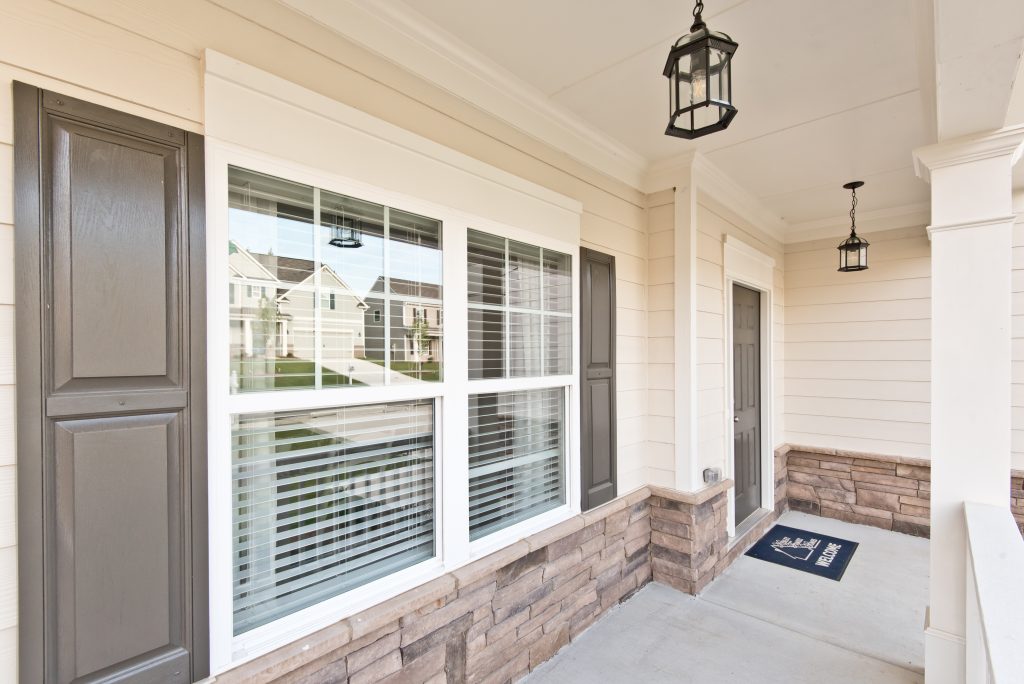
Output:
x,y
747,266
452,545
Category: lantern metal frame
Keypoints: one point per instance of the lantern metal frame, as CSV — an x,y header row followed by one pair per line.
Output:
x,y
698,44
854,243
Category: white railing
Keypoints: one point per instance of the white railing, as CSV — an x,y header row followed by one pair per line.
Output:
x,y
995,600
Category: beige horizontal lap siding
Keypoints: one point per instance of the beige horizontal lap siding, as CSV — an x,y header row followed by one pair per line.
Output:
x,y
1017,327
629,245
858,346
145,59
714,222
660,442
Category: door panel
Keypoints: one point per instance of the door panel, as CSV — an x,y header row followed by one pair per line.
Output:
x,y
111,404
597,386
746,338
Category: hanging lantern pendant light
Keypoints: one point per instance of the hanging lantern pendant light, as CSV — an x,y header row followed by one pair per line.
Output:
x,y
699,72
853,251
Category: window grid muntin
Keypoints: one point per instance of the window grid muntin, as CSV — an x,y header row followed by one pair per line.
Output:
x,y
387,296
542,311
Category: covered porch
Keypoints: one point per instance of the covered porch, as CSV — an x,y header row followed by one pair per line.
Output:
x,y
767,623
396,342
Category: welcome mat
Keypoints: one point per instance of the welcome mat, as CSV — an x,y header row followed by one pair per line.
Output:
x,y
818,554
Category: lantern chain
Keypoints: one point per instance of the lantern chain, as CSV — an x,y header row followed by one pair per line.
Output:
x,y
853,212
698,9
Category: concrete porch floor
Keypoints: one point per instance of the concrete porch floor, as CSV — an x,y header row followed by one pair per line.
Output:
x,y
761,622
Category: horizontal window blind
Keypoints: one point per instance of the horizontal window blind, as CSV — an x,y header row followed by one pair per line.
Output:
x,y
327,500
516,457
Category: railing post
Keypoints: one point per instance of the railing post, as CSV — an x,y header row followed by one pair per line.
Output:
x,y
977,656
994,564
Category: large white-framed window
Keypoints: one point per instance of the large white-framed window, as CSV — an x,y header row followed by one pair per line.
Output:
x,y
342,408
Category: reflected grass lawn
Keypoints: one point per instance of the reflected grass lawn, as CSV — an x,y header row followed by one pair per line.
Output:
x,y
298,373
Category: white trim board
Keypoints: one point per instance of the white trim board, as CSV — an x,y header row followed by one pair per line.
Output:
x,y
394,165
748,266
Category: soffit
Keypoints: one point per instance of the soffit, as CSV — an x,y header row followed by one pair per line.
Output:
x,y
827,91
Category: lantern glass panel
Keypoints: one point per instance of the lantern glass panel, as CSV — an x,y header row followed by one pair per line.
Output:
x,y
722,91
852,257
864,256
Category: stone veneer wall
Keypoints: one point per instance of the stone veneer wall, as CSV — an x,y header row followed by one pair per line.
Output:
x,y
690,545
493,620
499,617
890,492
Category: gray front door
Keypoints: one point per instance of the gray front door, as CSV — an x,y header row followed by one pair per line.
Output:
x,y
597,386
111,395
746,386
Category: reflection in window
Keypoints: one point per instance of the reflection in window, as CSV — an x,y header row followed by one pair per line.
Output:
x,y
520,309
309,266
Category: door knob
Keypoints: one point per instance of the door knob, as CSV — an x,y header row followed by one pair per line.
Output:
x,y
735,419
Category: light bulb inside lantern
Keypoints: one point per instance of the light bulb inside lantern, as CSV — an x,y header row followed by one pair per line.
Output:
x,y
700,86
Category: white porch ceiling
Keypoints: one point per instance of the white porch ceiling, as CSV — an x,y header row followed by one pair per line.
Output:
x,y
827,91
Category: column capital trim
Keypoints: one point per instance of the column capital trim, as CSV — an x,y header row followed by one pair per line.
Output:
x,y
980,223
1005,142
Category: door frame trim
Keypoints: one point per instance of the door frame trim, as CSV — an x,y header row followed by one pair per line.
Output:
x,y
751,268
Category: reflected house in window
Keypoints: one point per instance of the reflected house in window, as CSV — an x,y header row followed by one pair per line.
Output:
x,y
252,293
272,318
416,321
342,314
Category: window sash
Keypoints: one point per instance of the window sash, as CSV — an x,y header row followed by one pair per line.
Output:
x,y
325,501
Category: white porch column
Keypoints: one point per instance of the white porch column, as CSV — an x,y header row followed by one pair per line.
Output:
x,y
685,333
971,236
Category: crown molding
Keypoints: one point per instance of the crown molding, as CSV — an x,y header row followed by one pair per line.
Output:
x,y
1005,142
719,185
904,216
967,225
696,169
668,173
413,42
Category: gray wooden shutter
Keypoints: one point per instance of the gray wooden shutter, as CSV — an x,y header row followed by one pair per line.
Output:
x,y
111,395
597,384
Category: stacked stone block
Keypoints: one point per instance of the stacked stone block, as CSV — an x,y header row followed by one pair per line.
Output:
x,y
881,491
690,545
1017,498
491,621
890,492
